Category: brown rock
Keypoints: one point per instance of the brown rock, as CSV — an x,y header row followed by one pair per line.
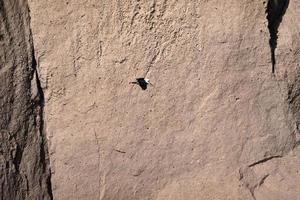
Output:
x,y
220,121
24,166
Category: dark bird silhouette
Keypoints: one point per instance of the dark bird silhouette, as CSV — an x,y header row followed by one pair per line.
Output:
x,y
142,82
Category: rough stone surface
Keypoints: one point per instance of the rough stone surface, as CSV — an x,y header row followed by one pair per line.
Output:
x,y
24,165
217,122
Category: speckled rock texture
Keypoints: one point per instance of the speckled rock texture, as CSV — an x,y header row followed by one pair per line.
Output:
x,y
221,120
24,160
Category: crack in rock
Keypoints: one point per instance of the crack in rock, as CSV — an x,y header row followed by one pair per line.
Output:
x,y
264,160
275,11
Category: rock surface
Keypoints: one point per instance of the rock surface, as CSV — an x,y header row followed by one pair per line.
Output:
x,y
24,160
219,121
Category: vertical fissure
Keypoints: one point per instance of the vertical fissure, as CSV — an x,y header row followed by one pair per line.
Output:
x,y
44,154
275,11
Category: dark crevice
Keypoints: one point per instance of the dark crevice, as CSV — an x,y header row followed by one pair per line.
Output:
x,y
262,181
44,154
264,160
17,158
275,12
40,104
49,186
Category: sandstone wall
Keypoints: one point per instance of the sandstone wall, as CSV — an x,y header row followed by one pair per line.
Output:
x,y
219,122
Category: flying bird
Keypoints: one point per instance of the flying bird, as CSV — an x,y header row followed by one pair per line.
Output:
x,y
142,82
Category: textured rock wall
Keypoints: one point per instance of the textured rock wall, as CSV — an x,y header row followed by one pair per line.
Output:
x,y
24,165
220,121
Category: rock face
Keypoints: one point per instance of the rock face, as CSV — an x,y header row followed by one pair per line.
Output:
x,y
24,163
221,120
